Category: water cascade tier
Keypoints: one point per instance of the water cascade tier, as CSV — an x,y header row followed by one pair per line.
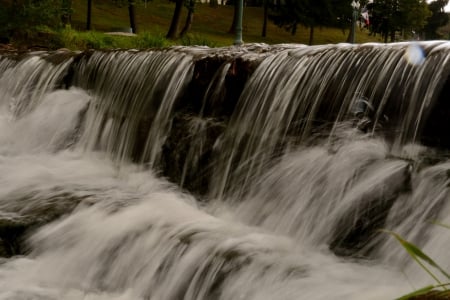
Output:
x,y
254,172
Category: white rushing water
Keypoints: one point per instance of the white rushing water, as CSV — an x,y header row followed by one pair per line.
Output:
x,y
133,235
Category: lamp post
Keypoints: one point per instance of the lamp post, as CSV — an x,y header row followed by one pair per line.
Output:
x,y
238,30
355,6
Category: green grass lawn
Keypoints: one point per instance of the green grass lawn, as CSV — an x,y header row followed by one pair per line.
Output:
x,y
210,24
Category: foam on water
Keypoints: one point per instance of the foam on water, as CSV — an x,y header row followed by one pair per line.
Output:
x,y
133,236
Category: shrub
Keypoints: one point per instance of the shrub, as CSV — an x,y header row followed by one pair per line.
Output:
x,y
147,40
197,40
23,17
83,40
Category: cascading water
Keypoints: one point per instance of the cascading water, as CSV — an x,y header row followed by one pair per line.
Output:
x,y
292,158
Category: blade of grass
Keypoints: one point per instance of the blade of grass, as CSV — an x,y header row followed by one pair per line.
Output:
x,y
423,291
441,224
418,292
419,255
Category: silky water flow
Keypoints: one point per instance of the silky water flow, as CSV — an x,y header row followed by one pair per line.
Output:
x,y
299,183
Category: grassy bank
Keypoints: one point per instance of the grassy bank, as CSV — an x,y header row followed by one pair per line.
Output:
x,y
210,27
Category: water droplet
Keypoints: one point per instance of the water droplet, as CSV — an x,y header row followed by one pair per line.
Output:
x,y
414,54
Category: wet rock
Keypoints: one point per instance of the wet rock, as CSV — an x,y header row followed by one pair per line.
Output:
x,y
356,232
4,46
21,214
435,133
187,153
60,56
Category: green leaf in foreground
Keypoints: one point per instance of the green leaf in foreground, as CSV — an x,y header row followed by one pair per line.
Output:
x,y
418,292
419,256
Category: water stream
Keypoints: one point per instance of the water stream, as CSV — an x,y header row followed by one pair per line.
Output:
x,y
293,208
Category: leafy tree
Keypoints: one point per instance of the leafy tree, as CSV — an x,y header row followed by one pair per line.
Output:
x,y
413,16
437,19
4,22
309,13
66,12
381,18
289,15
20,17
392,16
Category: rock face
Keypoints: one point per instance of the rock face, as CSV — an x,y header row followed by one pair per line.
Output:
x,y
29,213
6,47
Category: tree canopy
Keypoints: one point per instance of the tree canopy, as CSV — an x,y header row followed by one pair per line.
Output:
x,y
387,17
20,16
393,19
309,13
398,16
437,19
302,12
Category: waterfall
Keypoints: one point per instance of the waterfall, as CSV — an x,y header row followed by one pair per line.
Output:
x,y
294,92
260,172
121,99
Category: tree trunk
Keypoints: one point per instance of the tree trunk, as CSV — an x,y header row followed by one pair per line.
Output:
x,y
172,33
132,15
89,13
213,3
189,19
294,29
392,36
66,16
266,14
277,4
311,35
235,16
